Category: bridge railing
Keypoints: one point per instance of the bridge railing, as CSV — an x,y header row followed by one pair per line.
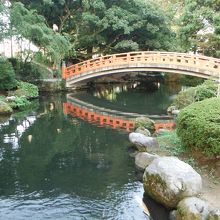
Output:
x,y
151,57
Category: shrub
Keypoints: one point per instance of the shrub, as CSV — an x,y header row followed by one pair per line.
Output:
x,y
191,80
204,91
29,71
25,89
198,126
20,103
185,98
7,75
207,90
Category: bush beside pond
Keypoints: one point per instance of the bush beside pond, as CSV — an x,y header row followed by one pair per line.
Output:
x,y
204,91
25,89
19,103
19,98
198,126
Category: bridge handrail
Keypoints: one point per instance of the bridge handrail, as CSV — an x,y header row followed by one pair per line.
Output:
x,y
199,61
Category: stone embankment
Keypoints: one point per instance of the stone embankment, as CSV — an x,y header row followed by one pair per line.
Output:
x,y
168,180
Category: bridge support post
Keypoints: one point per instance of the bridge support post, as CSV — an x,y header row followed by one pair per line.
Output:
x,y
63,69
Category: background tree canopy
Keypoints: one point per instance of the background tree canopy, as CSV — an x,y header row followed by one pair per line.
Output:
x,y
199,26
32,26
86,27
106,26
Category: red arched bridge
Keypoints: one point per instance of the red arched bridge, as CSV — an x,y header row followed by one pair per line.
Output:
x,y
170,62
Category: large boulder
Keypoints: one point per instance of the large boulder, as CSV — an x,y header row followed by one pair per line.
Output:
x,y
5,109
143,159
145,122
214,215
168,180
142,142
192,208
144,131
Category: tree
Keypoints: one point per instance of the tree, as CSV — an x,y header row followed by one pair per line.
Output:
x,y
7,75
107,26
30,25
199,26
3,22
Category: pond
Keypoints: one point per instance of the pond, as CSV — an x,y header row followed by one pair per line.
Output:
x,y
56,164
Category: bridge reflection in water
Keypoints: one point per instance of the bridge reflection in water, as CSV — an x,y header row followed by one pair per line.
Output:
x,y
110,118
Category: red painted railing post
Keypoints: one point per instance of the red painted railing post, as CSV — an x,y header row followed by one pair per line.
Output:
x,y
64,70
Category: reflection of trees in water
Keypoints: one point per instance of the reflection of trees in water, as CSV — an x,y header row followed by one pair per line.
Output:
x,y
69,156
154,99
109,92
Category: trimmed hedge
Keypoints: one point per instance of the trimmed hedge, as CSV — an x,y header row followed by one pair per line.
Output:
x,y
198,126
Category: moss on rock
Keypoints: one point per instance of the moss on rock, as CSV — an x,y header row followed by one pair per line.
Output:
x,y
146,123
5,109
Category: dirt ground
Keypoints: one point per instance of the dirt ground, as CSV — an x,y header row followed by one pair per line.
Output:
x,y
211,191
209,169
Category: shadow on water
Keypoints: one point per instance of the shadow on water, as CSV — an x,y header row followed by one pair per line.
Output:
x,y
157,211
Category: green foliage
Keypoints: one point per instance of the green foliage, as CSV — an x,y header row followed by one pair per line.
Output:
x,y
170,142
31,106
32,26
26,90
204,91
7,75
19,103
199,26
105,26
207,90
198,126
185,98
190,80
29,71
2,98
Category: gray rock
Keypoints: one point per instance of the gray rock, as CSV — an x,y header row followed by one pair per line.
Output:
x,y
168,180
171,108
175,112
144,131
214,215
143,159
142,142
192,208
5,109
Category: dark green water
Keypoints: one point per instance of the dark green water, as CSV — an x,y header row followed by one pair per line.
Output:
x,y
56,166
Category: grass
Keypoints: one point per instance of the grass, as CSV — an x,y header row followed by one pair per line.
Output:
x,y
170,142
